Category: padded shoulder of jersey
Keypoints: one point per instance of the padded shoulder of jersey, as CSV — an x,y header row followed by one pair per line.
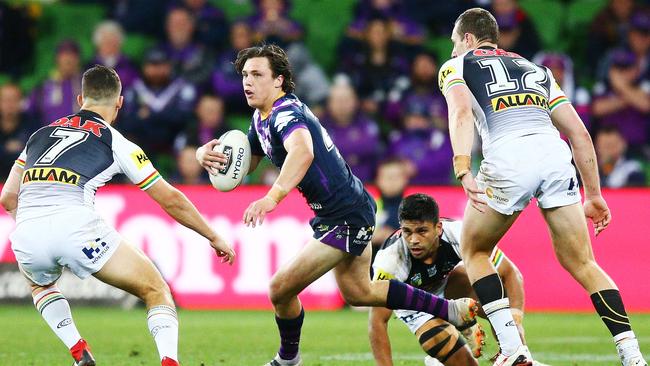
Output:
x,y
392,261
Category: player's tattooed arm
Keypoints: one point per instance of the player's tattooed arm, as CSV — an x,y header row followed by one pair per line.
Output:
x,y
9,196
378,335
568,122
461,132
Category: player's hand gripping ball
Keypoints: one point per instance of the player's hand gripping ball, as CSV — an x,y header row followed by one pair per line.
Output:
x,y
234,145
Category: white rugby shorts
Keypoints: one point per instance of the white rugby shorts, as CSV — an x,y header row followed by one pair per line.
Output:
x,y
74,237
530,166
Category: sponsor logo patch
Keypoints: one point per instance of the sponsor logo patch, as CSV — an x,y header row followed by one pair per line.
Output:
x,y
140,159
64,322
227,150
95,250
444,74
506,102
416,279
381,275
50,175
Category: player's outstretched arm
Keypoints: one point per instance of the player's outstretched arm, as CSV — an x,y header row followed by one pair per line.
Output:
x,y
182,210
568,122
378,335
300,154
9,196
461,132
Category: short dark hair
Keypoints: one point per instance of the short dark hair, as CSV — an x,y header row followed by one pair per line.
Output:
x,y
419,207
277,59
480,23
100,83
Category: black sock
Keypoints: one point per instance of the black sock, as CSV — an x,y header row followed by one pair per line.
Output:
x,y
489,289
289,335
609,305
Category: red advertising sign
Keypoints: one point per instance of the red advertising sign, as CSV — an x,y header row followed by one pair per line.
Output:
x,y
199,280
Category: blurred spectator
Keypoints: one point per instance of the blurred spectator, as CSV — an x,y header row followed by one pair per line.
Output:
x,y
158,106
561,66
516,31
272,24
615,169
141,16
16,39
191,60
108,39
436,14
623,100
392,179
638,41
376,66
419,93
312,85
427,148
211,24
15,127
189,171
403,29
209,123
57,96
608,29
355,134
225,80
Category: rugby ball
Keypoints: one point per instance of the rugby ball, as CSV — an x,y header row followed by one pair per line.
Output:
x,y
234,144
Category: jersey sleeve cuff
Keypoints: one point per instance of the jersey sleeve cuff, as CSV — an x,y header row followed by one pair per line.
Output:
x,y
285,134
557,102
20,163
452,83
497,257
147,182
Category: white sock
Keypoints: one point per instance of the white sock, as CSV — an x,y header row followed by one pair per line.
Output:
x,y
163,326
54,308
500,316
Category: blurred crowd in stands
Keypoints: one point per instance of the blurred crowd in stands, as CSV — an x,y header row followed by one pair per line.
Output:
x,y
379,100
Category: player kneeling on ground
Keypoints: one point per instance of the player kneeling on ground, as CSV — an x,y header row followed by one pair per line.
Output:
x,y
425,253
62,166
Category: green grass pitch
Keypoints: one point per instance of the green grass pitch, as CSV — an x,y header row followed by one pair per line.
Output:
x,y
242,338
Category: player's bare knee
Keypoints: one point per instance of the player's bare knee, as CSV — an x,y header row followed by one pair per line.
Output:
x,y
279,291
353,299
155,293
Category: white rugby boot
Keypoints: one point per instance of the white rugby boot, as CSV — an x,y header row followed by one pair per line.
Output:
x,y
475,337
277,361
521,357
629,352
462,312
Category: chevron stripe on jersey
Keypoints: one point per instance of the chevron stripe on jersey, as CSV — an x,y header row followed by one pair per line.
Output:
x,y
74,156
511,96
